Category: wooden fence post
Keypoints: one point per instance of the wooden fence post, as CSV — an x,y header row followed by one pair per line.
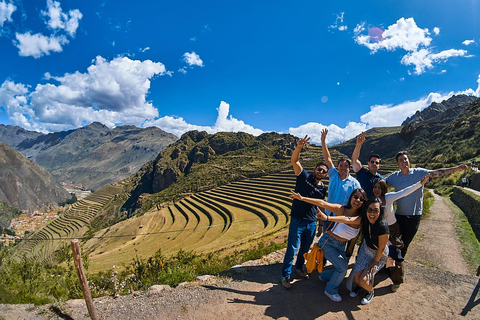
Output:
x,y
77,259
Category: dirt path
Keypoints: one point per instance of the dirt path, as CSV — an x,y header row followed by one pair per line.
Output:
x,y
252,291
436,244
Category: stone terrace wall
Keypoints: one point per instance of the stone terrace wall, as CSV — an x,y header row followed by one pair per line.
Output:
x,y
469,203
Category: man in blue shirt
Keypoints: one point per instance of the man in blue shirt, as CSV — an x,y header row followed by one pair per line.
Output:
x,y
409,208
341,184
303,223
366,176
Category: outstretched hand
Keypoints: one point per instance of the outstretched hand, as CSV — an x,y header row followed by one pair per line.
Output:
x,y
321,216
295,195
302,142
361,138
425,179
324,134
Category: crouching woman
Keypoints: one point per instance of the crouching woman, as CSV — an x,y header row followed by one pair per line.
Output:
x,y
373,252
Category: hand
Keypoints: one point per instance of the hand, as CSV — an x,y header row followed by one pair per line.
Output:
x,y
295,195
321,216
425,179
324,134
303,142
371,266
361,138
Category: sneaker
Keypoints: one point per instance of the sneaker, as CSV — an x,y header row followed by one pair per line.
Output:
x,y
368,298
394,287
334,297
302,273
286,283
354,292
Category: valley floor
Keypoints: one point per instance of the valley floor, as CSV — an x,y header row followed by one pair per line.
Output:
x,y
438,286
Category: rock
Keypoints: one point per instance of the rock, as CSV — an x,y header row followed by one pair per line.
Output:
x,y
158,288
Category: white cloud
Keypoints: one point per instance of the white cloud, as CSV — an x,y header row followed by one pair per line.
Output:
x,y
468,42
335,133
145,49
112,92
359,28
38,45
183,70
58,20
192,59
339,23
6,11
404,34
424,59
61,24
224,122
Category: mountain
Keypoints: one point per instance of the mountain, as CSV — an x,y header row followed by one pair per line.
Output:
x,y
94,155
440,112
442,133
24,184
13,135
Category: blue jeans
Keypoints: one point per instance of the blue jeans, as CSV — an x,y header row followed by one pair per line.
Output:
x,y
333,251
300,233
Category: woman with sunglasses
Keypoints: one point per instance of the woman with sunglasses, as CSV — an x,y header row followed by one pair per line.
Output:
x,y
380,191
372,254
334,240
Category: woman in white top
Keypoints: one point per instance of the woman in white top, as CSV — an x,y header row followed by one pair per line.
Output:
x,y
380,191
334,240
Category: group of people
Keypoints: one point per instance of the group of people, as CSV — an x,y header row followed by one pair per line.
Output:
x,y
355,206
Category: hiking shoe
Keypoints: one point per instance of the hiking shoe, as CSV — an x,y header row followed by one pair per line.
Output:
x,y
394,287
302,273
334,297
286,283
368,298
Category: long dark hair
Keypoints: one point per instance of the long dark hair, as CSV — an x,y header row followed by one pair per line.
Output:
x,y
349,204
363,213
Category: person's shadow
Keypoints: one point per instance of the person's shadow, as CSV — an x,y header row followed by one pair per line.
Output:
x,y
472,302
305,300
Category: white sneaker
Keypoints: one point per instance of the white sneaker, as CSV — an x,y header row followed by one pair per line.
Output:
x,y
334,297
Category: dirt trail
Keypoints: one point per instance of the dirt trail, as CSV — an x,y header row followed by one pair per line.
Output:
x,y
252,291
436,243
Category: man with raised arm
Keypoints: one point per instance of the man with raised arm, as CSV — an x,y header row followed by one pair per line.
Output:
x,y
341,184
303,221
409,208
366,176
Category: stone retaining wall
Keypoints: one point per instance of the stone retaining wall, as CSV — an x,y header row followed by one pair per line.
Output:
x,y
469,203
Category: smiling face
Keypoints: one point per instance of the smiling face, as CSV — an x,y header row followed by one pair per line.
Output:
x,y
377,190
373,212
357,200
403,163
343,169
320,172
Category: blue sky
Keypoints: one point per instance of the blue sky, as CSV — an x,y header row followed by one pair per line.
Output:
x,y
253,66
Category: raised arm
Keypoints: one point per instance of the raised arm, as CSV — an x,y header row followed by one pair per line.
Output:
x,y
295,160
333,207
394,196
326,153
357,165
441,172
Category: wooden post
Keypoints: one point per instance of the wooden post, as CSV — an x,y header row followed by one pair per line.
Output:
x,y
77,259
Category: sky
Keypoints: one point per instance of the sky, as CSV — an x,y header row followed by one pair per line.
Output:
x,y
254,66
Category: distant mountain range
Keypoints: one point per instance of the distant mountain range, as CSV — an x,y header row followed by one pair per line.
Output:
x,y
25,185
445,132
91,156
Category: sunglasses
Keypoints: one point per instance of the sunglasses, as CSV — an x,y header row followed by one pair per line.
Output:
x,y
375,162
321,170
362,199
370,210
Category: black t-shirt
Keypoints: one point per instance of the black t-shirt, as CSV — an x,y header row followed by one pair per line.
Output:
x,y
372,232
307,187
